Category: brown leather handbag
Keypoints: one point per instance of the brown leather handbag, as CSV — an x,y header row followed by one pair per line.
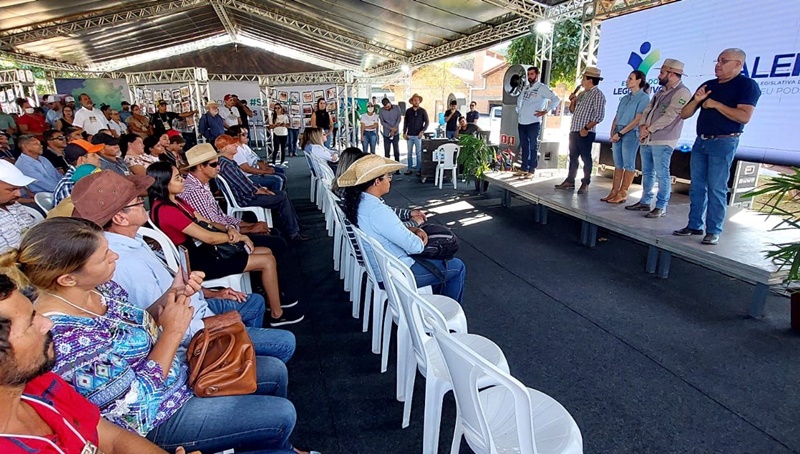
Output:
x,y
222,360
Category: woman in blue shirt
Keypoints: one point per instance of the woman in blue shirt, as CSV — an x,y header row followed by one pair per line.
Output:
x,y
364,183
625,136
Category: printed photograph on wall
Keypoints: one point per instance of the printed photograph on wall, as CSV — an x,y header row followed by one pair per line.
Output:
x,y
167,94
330,94
283,96
307,122
294,109
185,106
294,96
318,94
157,96
307,110
185,91
332,106
272,93
297,123
308,96
176,94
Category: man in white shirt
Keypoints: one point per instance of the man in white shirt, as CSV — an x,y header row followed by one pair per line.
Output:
x,y
14,220
88,118
532,104
229,112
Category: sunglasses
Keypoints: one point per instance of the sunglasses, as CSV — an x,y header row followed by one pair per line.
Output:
x,y
212,164
139,202
58,138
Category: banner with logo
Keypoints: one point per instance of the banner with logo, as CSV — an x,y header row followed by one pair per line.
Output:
x,y
695,32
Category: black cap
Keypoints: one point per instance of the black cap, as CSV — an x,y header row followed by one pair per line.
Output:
x,y
385,101
104,139
162,103
124,103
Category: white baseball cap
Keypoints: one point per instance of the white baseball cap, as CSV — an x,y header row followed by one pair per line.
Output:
x,y
10,174
69,99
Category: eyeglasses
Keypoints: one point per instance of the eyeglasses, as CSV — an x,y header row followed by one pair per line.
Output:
x,y
139,202
58,138
212,164
724,61
388,175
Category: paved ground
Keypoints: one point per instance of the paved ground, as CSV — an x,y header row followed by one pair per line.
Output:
x,y
643,365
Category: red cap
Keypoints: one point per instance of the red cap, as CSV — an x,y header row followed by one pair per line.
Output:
x,y
227,97
172,133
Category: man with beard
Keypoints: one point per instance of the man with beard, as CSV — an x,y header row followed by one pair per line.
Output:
x,y
39,411
659,131
211,123
533,103
14,220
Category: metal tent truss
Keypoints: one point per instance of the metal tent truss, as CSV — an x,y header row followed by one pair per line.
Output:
x,y
235,77
227,21
31,60
523,8
66,27
22,84
309,78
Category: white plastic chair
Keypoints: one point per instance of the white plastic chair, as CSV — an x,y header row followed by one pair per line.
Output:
x,y
446,157
238,282
37,215
234,209
420,316
507,417
44,200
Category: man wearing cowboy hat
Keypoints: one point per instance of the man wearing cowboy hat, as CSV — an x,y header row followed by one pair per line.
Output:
x,y
726,104
211,124
414,126
659,131
588,110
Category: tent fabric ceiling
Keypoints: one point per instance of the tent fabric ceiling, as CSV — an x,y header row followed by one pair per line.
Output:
x,y
380,29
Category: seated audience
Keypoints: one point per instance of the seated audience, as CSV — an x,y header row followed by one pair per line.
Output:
x,y
153,147
179,221
41,412
314,143
14,220
247,193
5,149
30,122
146,277
203,166
115,123
172,142
138,122
77,154
132,147
259,172
365,182
66,120
115,354
32,164
110,158
54,151
73,133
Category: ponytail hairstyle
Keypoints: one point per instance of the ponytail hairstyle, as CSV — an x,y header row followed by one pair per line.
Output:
x,y
352,199
51,249
641,77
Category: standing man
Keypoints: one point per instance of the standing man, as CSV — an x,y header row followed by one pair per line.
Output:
x,y
88,118
229,112
532,104
726,104
451,118
473,115
659,131
245,114
211,123
414,126
588,110
390,128
162,120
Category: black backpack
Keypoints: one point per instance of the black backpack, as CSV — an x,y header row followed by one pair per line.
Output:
x,y
442,243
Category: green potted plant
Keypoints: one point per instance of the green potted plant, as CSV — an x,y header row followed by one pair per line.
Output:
x,y
476,157
781,196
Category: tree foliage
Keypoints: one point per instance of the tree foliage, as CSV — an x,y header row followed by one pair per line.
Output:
x,y
566,46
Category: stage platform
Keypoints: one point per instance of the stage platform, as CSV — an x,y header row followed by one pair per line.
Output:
x,y
739,254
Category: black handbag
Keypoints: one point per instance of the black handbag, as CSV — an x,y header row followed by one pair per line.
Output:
x,y
222,251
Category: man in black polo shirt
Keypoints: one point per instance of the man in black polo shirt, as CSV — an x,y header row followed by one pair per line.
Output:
x,y
726,104
414,126
473,115
451,118
162,120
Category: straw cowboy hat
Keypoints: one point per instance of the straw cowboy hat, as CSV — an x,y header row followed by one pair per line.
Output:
x,y
200,154
415,95
367,169
592,71
672,65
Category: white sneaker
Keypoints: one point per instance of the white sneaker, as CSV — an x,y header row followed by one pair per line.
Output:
x,y
285,163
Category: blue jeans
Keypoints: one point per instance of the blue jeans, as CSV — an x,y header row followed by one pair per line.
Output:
x,y
450,135
656,167
529,145
257,423
580,147
281,203
625,150
454,274
412,142
394,142
272,182
710,168
252,309
292,141
370,141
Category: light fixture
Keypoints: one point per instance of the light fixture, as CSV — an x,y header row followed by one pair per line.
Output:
x,y
544,27
405,68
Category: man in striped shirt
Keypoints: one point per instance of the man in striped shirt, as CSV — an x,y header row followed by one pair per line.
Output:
x,y
588,110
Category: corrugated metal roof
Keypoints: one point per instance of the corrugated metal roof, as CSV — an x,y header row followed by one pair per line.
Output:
x,y
352,33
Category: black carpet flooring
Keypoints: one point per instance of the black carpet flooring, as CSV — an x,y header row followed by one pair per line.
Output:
x,y
644,365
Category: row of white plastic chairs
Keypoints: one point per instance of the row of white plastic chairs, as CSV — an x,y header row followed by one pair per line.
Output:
x,y
169,251
495,412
